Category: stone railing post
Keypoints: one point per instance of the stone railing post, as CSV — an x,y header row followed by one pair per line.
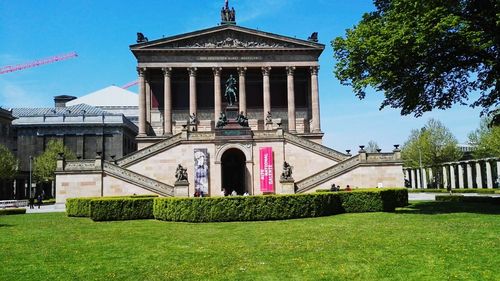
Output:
x,y
61,162
362,154
98,161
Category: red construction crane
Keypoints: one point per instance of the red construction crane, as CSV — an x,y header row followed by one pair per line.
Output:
x,y
130,84
12,68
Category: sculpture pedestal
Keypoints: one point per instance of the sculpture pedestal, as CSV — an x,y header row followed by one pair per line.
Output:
x,y
181,189
287,186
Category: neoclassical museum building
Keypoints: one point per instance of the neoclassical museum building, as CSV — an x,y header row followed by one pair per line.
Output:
x,y
228,109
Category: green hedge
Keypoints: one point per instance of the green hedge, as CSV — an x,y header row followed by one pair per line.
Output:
x,y
401,194
16,211
113,209
276,207
468,199
80,207
462,190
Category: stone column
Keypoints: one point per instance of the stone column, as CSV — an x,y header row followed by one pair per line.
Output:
x,y
498,172
414,179
452,176
266,71
418,178
406,174
148,99
445,177
316,127
489,178
192,90
243,89
431,176
291,99
470,183
142,102
167,93
217,93
479,178
424,177
461,176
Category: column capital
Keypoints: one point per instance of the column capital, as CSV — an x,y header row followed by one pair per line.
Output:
x,y
167,71
141,71
314,70
242,71
217,70
266,70
192,71
290,70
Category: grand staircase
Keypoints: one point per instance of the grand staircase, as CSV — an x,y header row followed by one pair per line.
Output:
x,y
138,179
315,147
327,174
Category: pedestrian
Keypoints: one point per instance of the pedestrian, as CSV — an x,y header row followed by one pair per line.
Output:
x,y
39,201
32,202
348,188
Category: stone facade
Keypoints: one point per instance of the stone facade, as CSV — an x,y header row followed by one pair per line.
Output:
x,y
182,87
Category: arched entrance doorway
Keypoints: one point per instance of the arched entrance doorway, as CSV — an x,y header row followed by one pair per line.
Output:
x,y
233,171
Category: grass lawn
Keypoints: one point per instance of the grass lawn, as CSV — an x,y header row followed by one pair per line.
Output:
x,y
426,241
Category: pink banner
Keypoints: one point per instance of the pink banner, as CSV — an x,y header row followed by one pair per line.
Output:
x,y
266,170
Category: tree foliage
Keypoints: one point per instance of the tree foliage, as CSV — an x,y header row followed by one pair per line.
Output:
x,y
486,139
45,164
434,143
424,54
372,147
8,163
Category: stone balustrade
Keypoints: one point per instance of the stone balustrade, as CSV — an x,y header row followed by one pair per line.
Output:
x,y
479,173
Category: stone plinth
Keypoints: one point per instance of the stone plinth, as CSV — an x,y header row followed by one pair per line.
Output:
x,y
287,186
233,130
181,189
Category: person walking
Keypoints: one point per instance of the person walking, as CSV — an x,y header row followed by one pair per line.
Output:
x,y
31,202
39,200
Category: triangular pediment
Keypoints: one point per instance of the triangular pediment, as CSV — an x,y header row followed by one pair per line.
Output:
x,y
228,37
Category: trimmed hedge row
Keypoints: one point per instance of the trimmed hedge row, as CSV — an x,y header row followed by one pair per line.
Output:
x,y
16,211
80,207
114,209
462,190
276,207
401,194
468,199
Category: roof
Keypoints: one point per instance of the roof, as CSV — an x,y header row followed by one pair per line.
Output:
x,y
284,42
74,110
109,96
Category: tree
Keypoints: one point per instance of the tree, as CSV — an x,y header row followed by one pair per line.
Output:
x,y
372,147
434,144
45,164
486,139
424,54
8,164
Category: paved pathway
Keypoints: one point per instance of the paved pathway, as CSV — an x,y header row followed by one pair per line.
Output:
x,y
47,209
424,196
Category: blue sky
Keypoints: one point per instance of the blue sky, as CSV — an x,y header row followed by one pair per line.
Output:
x,y
101,31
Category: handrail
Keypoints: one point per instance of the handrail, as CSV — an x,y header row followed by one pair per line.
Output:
x,y
140,180
315,147
327,174
148,151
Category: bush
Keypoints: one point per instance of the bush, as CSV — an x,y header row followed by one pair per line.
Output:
x,y
113,209
80,207
16,211
401,194
275,207
468,199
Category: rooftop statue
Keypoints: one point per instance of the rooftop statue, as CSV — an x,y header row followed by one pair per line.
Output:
x,y
226,14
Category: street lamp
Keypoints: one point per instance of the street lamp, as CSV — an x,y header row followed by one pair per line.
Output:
x,y
31,186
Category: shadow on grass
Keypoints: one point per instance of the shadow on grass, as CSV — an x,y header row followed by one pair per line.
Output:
x,y
5,225
433,208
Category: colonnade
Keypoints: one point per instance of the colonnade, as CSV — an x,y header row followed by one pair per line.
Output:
x,y
482,173
145,99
